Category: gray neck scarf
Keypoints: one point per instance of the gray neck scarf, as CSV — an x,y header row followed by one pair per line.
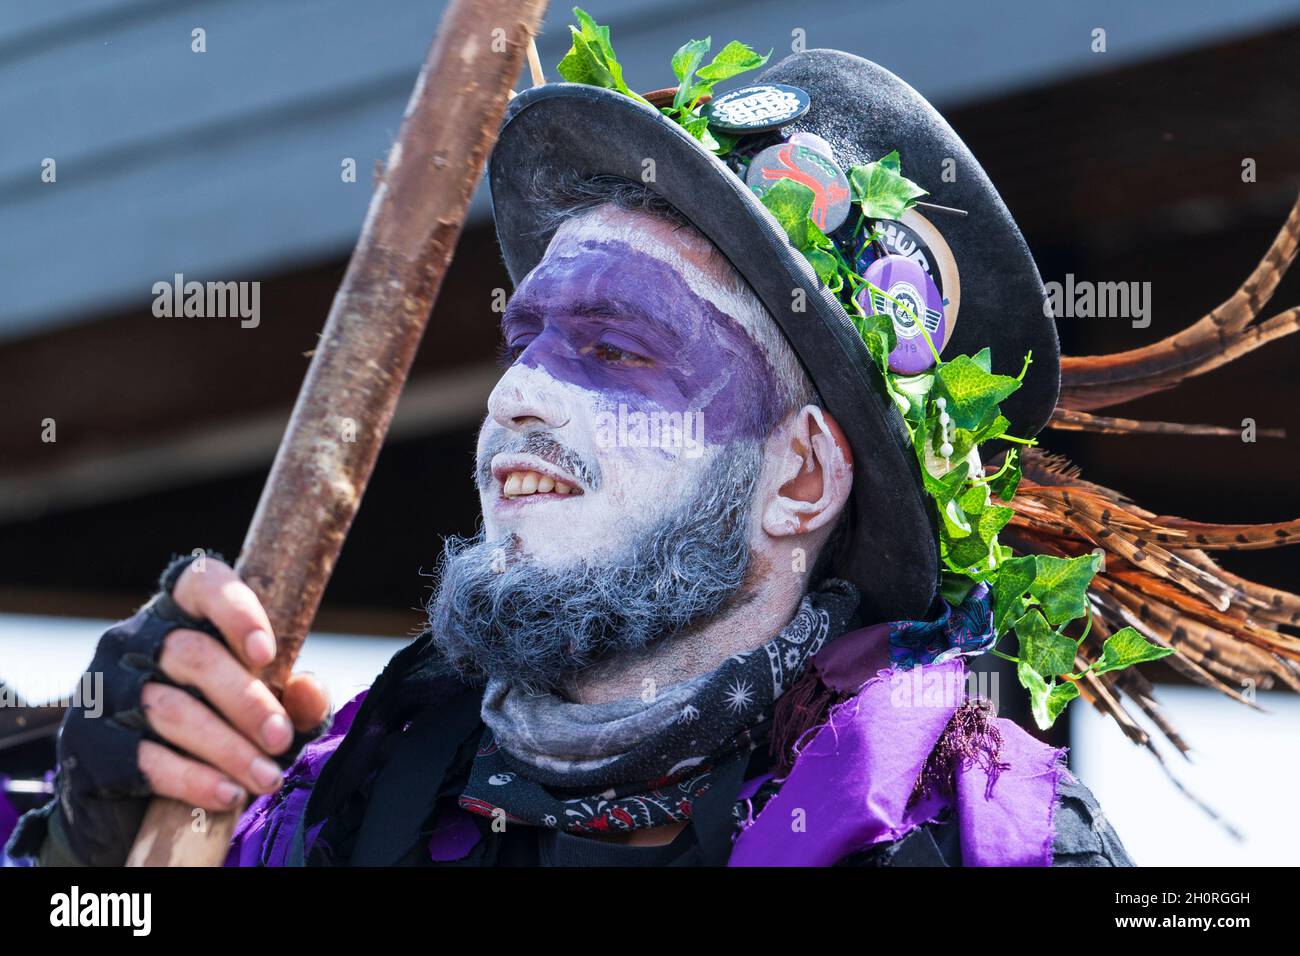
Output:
x,y
557,743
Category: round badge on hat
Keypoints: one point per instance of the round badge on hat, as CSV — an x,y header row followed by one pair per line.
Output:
x,y
910,292
758,108
915,237
813,142
831,197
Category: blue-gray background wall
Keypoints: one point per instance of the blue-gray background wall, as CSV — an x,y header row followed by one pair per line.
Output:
x,y
227,162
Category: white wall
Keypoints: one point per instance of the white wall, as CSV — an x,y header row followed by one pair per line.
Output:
x,y
43,657
1246,765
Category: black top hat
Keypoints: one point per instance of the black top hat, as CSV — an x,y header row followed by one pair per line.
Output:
x,y
863,111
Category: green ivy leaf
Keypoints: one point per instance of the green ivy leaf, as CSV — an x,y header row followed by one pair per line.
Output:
x,y
823,263
1005,484
878,333
726,142
1061,585
1013,579
1125,648
732,60
954,588
1058,696
790,202
695,81
1039,691
971,391
1041,647
975,548
1046,698
945,488
583,65
882,190
591,58
685,61
916,389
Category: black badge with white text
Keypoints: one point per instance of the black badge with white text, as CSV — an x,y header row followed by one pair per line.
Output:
x,y
757,109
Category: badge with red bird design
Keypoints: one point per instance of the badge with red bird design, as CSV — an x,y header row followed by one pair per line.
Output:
x,y
831,197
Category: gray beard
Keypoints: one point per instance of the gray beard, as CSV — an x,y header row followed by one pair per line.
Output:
x,y
533,627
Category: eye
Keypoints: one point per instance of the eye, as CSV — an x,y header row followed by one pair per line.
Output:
x,y
508,352
610,353
613,353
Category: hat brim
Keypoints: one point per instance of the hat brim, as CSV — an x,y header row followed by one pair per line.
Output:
x,y
891,551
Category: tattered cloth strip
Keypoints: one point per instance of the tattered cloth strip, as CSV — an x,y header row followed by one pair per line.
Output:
x,y
966,629
870,755
630,765
845,664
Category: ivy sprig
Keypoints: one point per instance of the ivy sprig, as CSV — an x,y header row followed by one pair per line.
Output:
x,y
591,60
952,410
694,82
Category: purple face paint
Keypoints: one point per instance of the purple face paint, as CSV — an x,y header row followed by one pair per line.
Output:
x,y
622,323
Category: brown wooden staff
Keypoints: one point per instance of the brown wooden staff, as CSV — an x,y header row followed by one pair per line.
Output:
x,y
364,354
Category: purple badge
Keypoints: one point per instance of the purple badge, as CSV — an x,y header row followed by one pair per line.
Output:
x,y
910,290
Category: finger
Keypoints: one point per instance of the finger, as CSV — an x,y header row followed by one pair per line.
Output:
x,y
198,660
192,726
171,775
306,701
217,594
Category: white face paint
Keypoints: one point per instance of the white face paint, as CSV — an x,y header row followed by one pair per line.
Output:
x,y
616,445
637,487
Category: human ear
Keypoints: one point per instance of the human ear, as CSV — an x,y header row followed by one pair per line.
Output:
x,y
815,475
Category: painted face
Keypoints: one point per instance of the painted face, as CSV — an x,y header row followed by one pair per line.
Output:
x,y
630,373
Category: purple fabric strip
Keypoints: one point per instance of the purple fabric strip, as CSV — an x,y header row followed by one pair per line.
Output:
x,y
849,787
8,812
274,816
454,834
1010,823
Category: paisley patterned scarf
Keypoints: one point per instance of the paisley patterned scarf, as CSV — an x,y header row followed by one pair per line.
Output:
x,y
548,762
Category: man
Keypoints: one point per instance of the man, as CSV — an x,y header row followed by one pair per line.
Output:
x,y
694,497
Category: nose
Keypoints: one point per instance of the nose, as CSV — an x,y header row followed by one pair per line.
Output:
x,y
528,398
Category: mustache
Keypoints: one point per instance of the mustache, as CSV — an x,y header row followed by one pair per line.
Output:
x,y
544,446
535,626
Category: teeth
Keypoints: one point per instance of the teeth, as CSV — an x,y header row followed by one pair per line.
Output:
x,y
519,483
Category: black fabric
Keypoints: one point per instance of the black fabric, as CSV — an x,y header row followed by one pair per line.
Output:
x,y
405,791
414,685
1082,836
864,111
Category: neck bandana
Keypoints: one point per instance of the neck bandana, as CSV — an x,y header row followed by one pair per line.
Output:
x,y
628,765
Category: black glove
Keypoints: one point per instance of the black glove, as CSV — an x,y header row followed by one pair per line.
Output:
x,y
100,794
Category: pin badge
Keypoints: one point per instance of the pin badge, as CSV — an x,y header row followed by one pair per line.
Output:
x,y
909,292
831,198
757,109
813,142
